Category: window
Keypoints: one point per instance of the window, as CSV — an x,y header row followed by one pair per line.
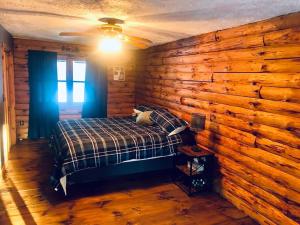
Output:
x,y
78,81
71,77
62,80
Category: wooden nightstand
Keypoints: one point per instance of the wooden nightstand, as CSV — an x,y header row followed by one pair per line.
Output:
x,y
193,171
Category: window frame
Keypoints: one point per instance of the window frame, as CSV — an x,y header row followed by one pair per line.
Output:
x,y
62,81
77,81
69,105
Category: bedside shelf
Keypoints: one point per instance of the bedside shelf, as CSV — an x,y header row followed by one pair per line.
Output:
x,y
185,188
184,169
191,181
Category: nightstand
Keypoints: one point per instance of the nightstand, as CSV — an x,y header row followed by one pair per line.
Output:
x,y
193,170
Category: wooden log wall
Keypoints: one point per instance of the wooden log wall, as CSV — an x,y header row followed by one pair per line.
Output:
x,y
246,80
7,120
121,93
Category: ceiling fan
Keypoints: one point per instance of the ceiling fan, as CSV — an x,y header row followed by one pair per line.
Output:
x,y
112,33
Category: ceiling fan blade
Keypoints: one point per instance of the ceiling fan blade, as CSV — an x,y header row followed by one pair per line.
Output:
x,y
69,34
136,43
137,39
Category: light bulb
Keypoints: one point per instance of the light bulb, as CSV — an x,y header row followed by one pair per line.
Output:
x,y
110,45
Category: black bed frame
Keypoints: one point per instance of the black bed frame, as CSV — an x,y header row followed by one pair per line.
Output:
x,y
126,168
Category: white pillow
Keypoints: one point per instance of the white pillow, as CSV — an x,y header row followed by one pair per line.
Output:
x,y
143,118
136,112
177,130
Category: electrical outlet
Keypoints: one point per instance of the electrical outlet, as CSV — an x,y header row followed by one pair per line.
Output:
x,y
20,123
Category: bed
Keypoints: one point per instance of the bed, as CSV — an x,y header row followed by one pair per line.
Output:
x,y
90,149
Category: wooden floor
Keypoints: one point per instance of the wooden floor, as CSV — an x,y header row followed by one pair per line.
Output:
x,y
26,198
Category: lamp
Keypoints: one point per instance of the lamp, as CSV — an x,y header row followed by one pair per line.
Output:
x,y
198,122
110,45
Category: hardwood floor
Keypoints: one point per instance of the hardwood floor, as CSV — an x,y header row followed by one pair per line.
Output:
x,y
26,198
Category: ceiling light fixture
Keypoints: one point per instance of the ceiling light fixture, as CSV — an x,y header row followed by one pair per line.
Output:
x,y
110,45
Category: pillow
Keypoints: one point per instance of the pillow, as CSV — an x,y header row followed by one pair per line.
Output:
x,y
143,118
136,112
167,121
177,130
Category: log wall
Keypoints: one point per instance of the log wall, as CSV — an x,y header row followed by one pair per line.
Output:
x,y
6,75
120,96
246,80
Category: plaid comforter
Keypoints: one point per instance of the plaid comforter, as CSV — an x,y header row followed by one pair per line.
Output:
x,y
88,143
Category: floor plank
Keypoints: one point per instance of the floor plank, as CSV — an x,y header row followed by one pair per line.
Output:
x,y
27,198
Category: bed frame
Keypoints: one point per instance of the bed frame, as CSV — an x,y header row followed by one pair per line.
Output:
x,y
123,169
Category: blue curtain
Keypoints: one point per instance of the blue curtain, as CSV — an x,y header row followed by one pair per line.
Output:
x,y
43,107
95,96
